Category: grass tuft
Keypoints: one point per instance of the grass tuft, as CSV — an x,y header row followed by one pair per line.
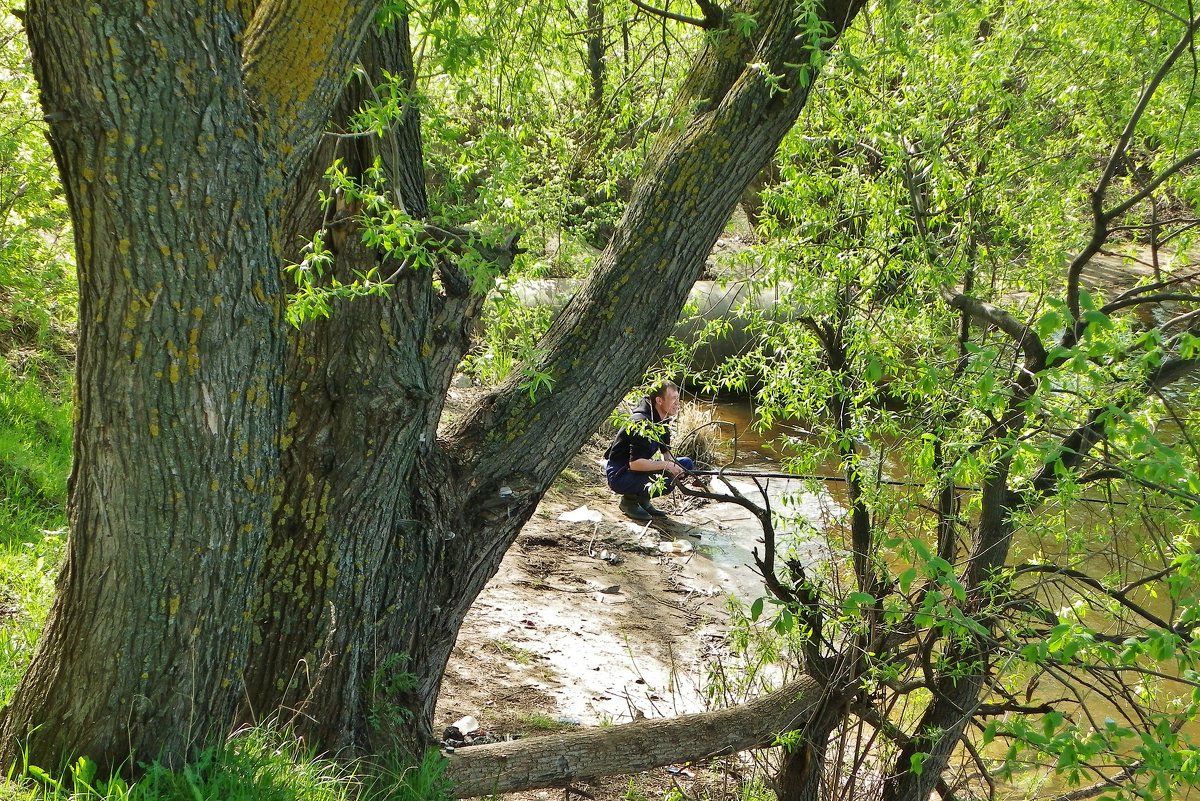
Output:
x,y
256,764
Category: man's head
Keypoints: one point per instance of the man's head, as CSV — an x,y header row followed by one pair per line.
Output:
x,y
666,400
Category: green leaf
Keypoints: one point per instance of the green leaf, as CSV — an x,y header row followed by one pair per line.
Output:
x,y
756,609
859,599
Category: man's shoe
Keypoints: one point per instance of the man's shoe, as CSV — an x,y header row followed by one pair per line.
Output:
x,y
649,508
632,507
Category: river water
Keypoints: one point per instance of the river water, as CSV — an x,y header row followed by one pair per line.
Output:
x,y
729,534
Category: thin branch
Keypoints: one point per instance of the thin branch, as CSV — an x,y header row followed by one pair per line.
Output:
x,y
979,763
1182,230
1101,219
1149,188
659,12
1117,305
1155,224
1164,10
1122,145
1106,783
1083,578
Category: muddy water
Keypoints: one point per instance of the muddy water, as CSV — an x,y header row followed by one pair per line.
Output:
x,y
729,535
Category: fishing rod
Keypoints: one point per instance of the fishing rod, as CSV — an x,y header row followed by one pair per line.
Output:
x,y
842,479
767,474
796,477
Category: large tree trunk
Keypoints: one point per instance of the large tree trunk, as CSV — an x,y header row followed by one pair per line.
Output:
x,y
179,402
276,522
177,389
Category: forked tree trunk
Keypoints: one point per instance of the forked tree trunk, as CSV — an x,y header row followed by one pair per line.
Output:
x,y
401,532
280,525
362,556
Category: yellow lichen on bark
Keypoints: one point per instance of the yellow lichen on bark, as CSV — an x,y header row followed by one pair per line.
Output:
x,y
295,54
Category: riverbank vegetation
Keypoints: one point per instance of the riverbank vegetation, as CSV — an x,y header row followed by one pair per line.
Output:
x,y
1020,597
978,220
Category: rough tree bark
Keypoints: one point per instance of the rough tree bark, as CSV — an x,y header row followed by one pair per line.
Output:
x,y
276,521
162,133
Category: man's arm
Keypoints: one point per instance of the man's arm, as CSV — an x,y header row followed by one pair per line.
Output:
x,y
656,466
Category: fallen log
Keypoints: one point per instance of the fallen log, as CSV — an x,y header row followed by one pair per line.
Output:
x,y
559,759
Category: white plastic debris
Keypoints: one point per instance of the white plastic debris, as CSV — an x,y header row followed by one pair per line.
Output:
x,y
675,546
581,515
467,724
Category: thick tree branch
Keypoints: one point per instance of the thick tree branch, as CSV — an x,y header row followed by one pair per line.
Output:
x,y
559,759
1025,337
296,55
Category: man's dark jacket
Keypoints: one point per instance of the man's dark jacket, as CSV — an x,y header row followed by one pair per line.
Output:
x,y
645,435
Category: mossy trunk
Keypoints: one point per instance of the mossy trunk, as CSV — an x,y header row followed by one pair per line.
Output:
x,y
177,392
172,156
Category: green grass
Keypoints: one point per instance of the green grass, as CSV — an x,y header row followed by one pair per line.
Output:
x,y
35,455
516,653
538,721
258,764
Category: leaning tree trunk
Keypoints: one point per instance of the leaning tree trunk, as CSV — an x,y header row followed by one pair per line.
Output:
x,y
360,547
165,140
385,535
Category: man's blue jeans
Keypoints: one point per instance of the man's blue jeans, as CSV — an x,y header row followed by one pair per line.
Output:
x,y
624,481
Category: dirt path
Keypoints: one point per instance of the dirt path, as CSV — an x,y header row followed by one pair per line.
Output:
x,y
589,622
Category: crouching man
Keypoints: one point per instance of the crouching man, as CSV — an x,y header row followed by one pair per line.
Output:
x,y
641,452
